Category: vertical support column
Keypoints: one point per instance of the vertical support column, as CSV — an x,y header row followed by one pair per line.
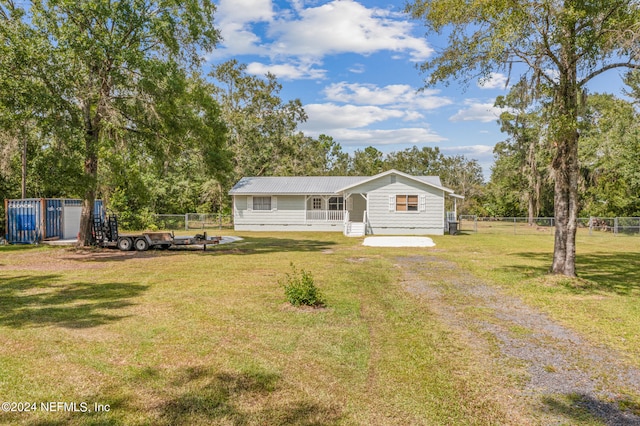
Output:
x,y
43,220
306,201
6,219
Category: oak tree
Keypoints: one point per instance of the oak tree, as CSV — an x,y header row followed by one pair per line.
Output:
x,y
561,44
114,68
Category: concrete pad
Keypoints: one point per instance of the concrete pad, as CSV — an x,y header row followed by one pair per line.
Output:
x,y
398,242
229,239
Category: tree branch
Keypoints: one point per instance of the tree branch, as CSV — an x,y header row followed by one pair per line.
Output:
x,y
607,68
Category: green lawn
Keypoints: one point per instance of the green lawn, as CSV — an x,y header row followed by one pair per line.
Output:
x,y
191,337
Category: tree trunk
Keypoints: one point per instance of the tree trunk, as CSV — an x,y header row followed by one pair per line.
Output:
x,y
565,161
565,207
24,167
92,135
85,236
533,209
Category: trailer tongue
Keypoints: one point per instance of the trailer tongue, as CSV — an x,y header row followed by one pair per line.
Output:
x,y
106,235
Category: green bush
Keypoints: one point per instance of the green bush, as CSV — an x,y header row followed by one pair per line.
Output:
x,y
300,288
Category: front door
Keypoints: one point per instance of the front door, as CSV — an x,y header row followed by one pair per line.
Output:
x,y
356,205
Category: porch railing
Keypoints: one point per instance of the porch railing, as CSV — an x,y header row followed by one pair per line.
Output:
x,y
325,215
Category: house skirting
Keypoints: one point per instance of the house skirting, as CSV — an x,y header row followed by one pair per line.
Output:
x,y
337,227
325,227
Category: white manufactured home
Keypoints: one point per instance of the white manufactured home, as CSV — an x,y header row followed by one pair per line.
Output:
x,y
392,203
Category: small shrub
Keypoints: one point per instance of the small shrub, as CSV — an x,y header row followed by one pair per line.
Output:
x,y
300,288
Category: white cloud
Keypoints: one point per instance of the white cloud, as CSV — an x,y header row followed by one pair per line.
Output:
x,y
353,108
348,125
473,151
244,11
399,95
343,26
477,111
493,81
357,68
289,71
235,22
381,137
340,26
326,117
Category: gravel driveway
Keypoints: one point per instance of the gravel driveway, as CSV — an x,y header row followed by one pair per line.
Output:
x,y
557,364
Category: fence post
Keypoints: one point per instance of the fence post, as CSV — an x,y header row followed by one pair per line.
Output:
x,y
186,221
514,226
615,226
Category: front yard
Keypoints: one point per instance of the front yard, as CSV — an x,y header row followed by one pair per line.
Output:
x,y
191,337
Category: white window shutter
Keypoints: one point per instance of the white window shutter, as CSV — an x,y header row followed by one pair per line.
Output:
x,y
392,203
249,203
274,203
423,203
350,204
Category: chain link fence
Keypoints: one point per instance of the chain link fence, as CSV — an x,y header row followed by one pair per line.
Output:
x,y
545,225
195,221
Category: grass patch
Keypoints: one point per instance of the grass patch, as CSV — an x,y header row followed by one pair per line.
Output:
x,y
603,299
192,337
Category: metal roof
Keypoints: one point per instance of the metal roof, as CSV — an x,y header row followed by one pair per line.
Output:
x,y
300,185
293,185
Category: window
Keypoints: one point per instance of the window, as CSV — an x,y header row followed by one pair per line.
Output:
x,y
336,203
261,203
406,203
316,203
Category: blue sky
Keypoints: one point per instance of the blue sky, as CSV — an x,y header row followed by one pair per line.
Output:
x,y
353,66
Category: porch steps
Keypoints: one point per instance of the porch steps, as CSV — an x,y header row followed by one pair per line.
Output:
x,y
355,229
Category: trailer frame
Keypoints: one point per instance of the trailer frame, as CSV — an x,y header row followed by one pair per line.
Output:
x,y
106,234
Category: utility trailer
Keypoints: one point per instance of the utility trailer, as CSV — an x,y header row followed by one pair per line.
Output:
x,y
106,235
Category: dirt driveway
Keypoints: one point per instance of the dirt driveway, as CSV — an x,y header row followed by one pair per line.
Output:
x,y
563,379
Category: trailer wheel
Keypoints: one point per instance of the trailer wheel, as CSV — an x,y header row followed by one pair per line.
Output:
x,y
125,244
141,244
164,246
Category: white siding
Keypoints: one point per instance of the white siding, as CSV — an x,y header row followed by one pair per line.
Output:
x,y
289,211
383,219
285,210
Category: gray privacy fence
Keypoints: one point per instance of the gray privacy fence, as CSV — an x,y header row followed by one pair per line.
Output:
x,y
187,221
545,225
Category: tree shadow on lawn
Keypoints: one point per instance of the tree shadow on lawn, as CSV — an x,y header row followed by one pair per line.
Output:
x,y
46,300
204,396
604,271
246,246
265,245
583,408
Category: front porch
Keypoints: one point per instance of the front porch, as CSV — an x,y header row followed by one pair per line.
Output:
x,y
325,215
347,209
